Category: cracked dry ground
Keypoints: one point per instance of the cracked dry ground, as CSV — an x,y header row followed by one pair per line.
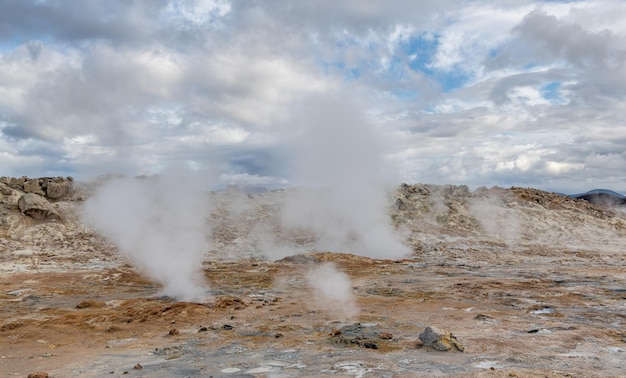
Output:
x,y
546,316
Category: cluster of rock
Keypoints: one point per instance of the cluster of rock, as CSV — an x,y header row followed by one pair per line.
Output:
x,y
53,188
33,196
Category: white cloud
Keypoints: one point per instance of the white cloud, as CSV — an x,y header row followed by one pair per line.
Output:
x,y
196,12
527,92
556,168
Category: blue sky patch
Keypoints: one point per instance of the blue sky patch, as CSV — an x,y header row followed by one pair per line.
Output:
x,y
422,49
550,91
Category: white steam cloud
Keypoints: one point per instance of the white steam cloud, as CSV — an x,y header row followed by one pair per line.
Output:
x,y
338,156
342,204
160,224
332,291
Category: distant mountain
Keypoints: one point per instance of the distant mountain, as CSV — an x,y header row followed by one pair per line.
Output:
x,y
602,197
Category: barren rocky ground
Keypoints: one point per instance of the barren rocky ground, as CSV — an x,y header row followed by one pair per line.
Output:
x,y
528,283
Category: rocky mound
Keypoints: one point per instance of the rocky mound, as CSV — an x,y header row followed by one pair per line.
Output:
x,y
429,217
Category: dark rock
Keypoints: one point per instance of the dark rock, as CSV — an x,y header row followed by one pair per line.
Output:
x,y
370,345
359,335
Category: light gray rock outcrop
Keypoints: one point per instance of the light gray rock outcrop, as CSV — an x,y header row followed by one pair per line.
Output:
x,y
439,339
33,186
58,187
37,207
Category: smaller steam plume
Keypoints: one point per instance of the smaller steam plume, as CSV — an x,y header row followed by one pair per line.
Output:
x,y
497,219
332,291
159,225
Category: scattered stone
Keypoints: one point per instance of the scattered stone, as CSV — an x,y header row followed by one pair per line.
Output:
x,y
260,370
19,292
112,329
138,367
357,334
439,339
38,375
386,335
90,303
226,302
174,351
203,329
227,327
484,318
173,332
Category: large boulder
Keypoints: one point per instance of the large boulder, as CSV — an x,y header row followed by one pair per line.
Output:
x,y
17,182
37,207
58,187
33,186
5,189
9,196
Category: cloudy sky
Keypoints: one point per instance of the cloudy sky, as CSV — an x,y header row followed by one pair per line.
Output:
x,y
516,92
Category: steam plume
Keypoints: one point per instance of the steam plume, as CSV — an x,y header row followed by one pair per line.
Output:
x,y
332,291
338,154
160,226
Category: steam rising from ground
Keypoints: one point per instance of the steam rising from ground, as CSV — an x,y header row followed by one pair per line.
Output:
x,y
334,158
338,157
497,219
160,226
332,291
